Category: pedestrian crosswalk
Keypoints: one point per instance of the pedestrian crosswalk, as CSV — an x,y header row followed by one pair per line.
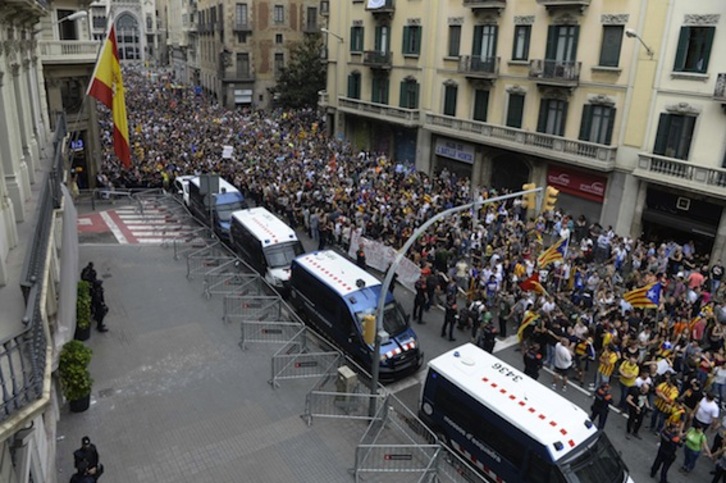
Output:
x,y
131,225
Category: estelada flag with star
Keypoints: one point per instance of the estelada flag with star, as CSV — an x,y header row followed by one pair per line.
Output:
x,y
647,297
107,87
554,253
529,317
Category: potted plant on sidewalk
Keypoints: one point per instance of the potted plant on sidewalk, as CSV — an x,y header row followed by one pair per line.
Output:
x,y
75,378
83,311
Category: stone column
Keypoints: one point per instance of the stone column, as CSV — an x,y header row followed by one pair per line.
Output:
x,y
18,127
39,129
27,119
719,245
483,176
14,167
636,226
8,230
424,155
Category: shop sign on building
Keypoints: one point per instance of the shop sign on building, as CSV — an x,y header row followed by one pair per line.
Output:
x,y
451,149
577,183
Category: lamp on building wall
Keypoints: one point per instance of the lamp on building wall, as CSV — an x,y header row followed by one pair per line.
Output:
x,y
73,17
326,31
630,33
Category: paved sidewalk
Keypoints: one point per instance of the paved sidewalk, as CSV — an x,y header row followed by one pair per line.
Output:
x,y
176,400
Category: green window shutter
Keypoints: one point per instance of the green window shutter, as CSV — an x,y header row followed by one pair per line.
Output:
x,y
576,37
586,123
402,98
361,43
385,91
494,42
476,46
542,121
661,138
611,125
687,136
418,35
406,40
565,107
351,86
378,39
415,96
352,39
680,62
707,43
551,42
515,110
481,104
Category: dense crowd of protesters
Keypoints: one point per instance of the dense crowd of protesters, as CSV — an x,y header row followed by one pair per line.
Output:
x,y
669,364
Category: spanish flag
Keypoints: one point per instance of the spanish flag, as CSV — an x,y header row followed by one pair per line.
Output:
x,y
108,88
647,297
529,318
554,253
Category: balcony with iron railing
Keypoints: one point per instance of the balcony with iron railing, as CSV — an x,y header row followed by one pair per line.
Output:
x,y
381,112
553,5
242,27
719,90
562,73
68,51
387,8
477,67
486,5
681,174
377,60
25,362
575,152
311,28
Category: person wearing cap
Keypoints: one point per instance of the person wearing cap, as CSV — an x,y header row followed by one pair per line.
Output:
x,y
601,405
670,440
85,459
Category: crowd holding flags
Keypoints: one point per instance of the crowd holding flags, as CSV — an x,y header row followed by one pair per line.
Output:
x,y
108,88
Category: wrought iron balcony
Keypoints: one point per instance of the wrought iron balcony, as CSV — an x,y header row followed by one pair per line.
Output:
x,y
477,67
68,51
681,174
553,5
377,60
486,5
242,27
719,91
575,152
387,7
382,112
555,72
311,28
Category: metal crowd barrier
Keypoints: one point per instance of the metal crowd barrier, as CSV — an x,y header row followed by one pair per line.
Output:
x,y
207,259
338,405
225,283
189,242
404,462
251,307
294,361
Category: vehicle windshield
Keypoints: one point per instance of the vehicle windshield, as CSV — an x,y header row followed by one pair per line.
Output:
x,y
600,463
394,320
281,255
224,212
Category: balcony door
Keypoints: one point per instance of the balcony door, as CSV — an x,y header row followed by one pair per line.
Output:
x,y
485,42
562,43
382,41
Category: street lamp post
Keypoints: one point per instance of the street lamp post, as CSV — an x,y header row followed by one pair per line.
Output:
x,y
630,33
477,204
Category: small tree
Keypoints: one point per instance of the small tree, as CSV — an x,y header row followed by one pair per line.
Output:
x,y
304,76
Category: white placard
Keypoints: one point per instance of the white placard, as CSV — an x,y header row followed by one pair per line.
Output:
x,y
449,148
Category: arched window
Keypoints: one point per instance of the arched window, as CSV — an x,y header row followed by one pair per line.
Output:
x,y
128,37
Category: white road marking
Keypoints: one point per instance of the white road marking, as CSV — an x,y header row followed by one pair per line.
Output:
x,y
84,221
114,228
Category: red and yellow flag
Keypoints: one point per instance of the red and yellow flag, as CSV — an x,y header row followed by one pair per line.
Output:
x,y
108,88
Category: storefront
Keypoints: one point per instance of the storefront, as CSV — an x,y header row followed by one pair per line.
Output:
x,y
455,156
669,215
581,192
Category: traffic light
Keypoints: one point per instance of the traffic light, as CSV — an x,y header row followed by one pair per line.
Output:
x,y
530,199
369,329
550,199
